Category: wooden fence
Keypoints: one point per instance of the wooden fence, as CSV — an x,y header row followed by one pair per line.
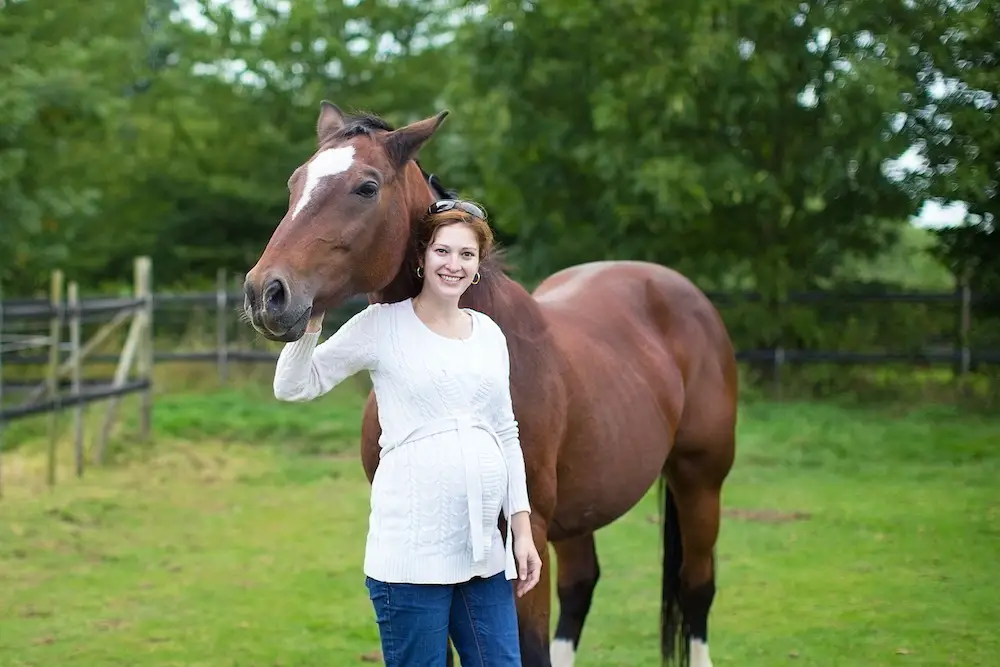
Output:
x,y
64,360
48,397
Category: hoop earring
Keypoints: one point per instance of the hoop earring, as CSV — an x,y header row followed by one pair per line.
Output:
x,y
420,272
477,278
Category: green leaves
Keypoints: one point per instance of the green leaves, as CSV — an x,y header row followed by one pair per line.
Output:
x,y
688,119
128,131
955,57
744,143
62,71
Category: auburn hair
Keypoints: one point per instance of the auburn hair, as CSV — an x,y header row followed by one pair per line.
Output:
x,y
432,222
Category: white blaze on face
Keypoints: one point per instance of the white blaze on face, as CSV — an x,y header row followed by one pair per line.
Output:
x,y
330,162
561,653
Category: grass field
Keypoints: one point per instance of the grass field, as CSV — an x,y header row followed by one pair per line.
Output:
x,y
852,538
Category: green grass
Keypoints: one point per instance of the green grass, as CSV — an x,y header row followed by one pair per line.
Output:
x,y
851,538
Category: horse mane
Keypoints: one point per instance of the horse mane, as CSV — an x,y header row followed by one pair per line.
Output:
x,y
362,122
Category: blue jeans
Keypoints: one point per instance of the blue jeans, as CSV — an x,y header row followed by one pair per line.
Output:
x,y
414,621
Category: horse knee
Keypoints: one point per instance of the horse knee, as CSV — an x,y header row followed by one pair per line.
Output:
x,y
697,569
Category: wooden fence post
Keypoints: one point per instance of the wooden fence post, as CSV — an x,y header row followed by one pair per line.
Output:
x,y
52,377
144,290
130,351
73,303
2,420
222,325
779,350
964,325
240,339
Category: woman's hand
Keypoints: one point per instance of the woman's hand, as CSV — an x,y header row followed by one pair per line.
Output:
x,y
529,563
315,323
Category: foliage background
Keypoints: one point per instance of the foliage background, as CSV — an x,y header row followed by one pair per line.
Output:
x,y
751,145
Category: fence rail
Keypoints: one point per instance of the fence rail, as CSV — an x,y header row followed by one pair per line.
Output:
x,y
40,309
226,300
82,397
792,356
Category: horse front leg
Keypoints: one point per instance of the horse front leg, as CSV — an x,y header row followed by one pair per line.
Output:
x,y
534,607
577,578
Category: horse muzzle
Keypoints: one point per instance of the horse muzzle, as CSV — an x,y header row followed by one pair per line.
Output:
x,y
274,311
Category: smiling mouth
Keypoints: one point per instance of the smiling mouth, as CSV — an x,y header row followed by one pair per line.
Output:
x,y
454,280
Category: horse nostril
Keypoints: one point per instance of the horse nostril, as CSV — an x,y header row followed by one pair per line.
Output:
x,y
275,296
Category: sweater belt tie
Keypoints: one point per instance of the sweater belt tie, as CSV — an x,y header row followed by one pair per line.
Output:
x,y
462,426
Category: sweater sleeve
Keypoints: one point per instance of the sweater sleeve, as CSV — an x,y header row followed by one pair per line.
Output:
x,y
306,370
507,429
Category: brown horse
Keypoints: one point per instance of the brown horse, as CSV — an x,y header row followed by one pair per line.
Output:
x,y
622,373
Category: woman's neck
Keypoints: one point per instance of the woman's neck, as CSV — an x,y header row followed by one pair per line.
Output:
x,y
435,308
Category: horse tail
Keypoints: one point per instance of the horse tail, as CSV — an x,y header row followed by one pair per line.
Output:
x,y
672,631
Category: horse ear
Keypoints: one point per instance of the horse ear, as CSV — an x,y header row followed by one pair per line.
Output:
x,y
403,144
331,119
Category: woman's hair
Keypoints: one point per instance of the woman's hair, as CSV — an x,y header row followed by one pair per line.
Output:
x,y
432,222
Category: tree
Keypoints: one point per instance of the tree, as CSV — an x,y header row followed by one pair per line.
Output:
x,y
740,142
953,119
63,68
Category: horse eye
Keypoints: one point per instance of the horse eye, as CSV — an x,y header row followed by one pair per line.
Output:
x,y
368,189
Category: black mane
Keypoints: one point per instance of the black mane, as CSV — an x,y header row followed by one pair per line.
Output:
x,y
364,123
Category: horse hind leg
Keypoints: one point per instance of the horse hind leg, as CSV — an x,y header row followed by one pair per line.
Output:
x,y
692,507
577,575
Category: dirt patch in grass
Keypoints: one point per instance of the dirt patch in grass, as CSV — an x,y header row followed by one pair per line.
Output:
x,y
765,515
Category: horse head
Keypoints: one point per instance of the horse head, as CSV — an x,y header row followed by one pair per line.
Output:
x,y
352,208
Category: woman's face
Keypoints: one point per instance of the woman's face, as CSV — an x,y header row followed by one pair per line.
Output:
x,y
451,261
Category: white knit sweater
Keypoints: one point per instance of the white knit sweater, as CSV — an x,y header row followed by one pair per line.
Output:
x,y
451,457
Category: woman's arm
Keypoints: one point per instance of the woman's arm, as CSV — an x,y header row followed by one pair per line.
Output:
x,y
305,370
507,429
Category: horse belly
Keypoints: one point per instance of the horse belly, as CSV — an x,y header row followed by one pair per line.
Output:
x,y
617,446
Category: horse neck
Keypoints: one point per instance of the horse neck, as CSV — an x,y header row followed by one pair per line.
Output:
x,y
417,196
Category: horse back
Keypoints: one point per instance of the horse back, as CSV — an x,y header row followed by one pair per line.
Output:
x,y
647,313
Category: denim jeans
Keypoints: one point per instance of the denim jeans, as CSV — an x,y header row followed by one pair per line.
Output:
x,y
414,621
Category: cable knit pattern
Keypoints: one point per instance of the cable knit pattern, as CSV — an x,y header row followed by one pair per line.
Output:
x,y
448,427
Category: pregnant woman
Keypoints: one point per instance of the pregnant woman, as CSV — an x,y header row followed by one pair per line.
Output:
x,y
450,459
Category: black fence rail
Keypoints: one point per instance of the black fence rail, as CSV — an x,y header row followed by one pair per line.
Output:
x,y
953,346
40,309
97,392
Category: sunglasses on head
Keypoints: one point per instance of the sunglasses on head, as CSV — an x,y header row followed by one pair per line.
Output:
x,y
443,205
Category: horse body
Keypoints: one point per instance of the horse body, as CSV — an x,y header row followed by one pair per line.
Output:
x,y
622,375
610,344
633,331
652,384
